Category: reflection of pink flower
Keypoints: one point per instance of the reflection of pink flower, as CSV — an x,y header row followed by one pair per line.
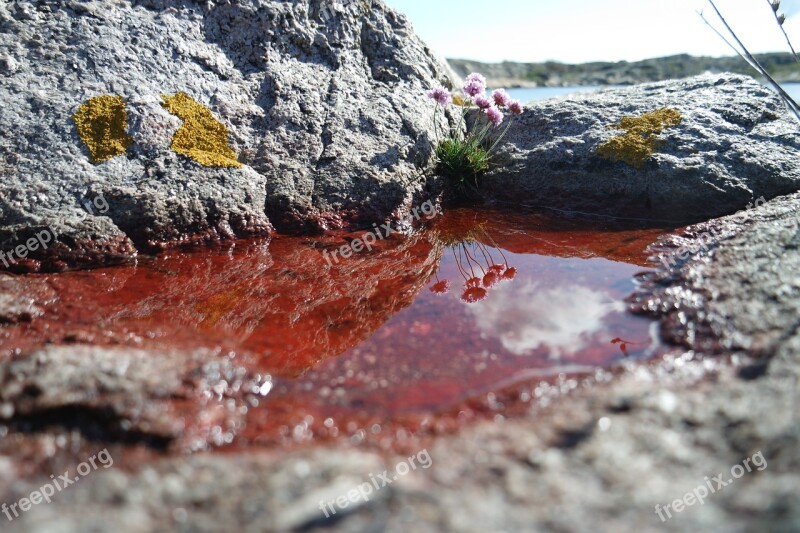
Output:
x,y
441,95
495,116
510,273
483,102
474,294
473,282
501,98
489,279
441,287
516,107
497,268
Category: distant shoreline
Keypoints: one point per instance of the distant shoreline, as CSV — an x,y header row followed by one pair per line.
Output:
x,y
554,74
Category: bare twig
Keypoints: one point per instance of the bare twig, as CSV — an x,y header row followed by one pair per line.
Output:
x,y
750,58
780,19
719,33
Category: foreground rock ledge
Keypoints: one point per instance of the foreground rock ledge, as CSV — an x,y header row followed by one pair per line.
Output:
x,y
316,97
735,144
730,285
603,455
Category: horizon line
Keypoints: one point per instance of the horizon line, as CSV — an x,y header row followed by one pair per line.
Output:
x,y
555,61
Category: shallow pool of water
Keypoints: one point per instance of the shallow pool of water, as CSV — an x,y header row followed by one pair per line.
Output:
x,y
386,340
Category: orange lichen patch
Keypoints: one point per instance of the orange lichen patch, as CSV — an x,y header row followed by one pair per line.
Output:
x,y
202,137
640,141
101,124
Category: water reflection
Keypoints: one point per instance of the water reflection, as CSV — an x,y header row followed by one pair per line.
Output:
x,y
415,327
529,316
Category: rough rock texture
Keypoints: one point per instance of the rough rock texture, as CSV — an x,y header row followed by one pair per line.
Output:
x,y
733,285
316,98
596,454
18,301
122,393
735,144
599,459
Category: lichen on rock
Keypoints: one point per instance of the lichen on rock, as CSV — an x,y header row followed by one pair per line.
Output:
x,y
202,137
101,124
640,141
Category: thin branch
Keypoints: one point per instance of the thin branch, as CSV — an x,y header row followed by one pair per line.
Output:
x,y
751,60
780,22
756,65
719,33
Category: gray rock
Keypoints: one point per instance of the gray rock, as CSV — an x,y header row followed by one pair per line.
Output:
x,y
250,492
18,301
577,463
318,103
731,284
124,393
736,143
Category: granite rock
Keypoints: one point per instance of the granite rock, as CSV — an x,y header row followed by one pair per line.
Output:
x,y
315,97
735,144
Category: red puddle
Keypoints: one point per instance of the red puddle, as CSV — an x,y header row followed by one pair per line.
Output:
x,y
383,342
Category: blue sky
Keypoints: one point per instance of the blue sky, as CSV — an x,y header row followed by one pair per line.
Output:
x,y
590,30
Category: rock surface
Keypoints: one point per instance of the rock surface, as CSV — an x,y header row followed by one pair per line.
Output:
x,y
126,394
315,97
732,284
601,458
736,143
600,452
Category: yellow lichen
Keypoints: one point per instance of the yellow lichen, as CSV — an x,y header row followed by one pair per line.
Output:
x,y
640,141
101,124
202,137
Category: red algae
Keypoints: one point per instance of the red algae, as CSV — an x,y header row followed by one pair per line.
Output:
x,y
399,340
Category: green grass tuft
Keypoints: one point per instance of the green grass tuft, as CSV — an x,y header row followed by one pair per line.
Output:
x,y
462,162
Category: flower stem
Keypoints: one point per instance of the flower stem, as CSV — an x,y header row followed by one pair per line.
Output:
x,y
436,124
500,138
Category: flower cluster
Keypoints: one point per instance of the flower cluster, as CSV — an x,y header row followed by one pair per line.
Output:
x,y
464,159
441,95
492,106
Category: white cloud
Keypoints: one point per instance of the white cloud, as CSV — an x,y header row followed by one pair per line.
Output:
x,y
527,316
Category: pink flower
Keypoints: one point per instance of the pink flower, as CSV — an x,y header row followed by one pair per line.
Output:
x,y
475,85
483,102
441,95
501,98
516,107
495,115
477,77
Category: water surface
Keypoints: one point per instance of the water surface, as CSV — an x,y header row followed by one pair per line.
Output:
x,y
543,93
388,340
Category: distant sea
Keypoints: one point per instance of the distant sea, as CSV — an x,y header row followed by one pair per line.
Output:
x,y
542,93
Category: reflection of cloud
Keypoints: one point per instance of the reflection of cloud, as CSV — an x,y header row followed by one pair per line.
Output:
x,y
528,316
